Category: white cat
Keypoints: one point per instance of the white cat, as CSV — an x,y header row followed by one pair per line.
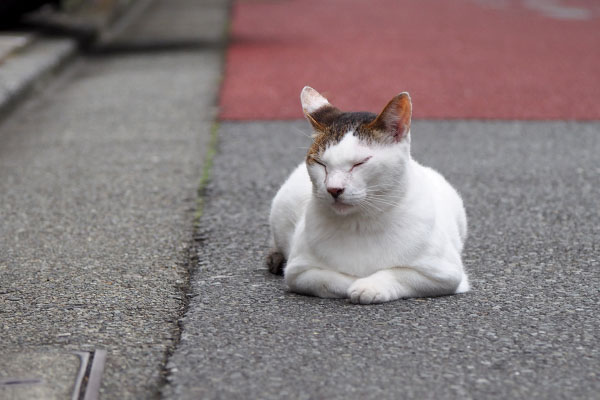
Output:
x,y
360,219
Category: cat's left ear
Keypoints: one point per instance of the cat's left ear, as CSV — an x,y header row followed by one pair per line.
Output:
x,y
395,118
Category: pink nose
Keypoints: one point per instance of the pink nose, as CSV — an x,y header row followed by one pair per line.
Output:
x,y
335,192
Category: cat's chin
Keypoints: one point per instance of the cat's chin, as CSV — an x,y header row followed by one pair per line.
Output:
x,y
340,208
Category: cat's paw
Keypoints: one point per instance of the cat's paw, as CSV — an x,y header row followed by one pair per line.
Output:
x,y
365,291
276,262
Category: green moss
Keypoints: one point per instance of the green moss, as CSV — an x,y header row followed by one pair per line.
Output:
x,y
206,170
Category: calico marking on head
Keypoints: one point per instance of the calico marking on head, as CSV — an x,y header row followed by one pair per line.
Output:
x,y
331,125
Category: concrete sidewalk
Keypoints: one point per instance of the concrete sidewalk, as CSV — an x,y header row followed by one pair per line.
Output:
x,y
36,48
529,329
98,186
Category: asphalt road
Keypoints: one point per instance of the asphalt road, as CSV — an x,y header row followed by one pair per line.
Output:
x,y
528,329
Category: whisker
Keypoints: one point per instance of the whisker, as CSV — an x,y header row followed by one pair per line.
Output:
x,y
370,205
393,184
303,133
386,203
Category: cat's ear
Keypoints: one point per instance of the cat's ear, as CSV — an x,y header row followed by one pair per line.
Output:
x,y
395,117
312,100
313,105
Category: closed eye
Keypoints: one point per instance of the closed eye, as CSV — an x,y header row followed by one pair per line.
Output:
x,y
321,163
361,162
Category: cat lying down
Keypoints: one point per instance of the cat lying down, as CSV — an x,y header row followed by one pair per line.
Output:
x,y
360,219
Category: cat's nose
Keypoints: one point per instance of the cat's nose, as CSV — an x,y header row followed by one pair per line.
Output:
x,y
335,192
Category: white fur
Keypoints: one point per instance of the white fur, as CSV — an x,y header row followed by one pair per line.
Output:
x,y
312,100
396,231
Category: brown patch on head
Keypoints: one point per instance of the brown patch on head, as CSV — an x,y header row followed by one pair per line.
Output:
x,y
331,124
323,117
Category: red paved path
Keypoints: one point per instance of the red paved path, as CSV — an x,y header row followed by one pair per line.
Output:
x,y
458,59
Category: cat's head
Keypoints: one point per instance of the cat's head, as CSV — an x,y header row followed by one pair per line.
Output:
x,y
357,159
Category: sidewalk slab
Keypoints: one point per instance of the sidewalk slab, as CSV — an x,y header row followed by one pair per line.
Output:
x,y
11,42
528,329
47,40
39,375
98,186
24,68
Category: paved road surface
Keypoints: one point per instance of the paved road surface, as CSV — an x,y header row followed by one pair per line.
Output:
x,y
98,179
529,328
534,59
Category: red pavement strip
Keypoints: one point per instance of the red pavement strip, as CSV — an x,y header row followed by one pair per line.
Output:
x,y
498,59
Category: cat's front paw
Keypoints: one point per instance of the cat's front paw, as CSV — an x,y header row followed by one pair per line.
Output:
x,y
365,291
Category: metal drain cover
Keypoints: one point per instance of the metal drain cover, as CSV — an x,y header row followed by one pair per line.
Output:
x,y
51,375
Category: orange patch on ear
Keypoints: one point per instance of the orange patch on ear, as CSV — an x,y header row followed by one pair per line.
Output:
x,y
395,117
404,107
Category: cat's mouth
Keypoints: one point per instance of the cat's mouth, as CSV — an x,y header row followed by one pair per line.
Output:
x,y
341,207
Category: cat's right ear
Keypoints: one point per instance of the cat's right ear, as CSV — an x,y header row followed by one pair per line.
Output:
x,y
395,118
312,105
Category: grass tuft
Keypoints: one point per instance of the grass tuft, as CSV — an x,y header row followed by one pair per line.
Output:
x,y
206,171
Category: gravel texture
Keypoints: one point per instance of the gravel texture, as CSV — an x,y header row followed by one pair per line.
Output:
x,y
528,329
98,186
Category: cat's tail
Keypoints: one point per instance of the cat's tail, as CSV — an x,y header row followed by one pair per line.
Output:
x,y
275,262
